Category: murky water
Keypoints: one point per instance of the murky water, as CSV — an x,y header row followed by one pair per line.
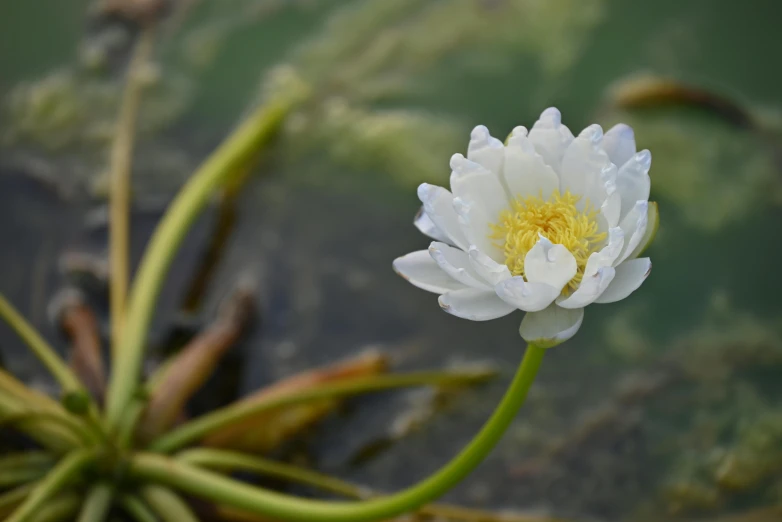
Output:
x,y
664,407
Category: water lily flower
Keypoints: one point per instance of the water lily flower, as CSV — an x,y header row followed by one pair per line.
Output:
x,y
547,223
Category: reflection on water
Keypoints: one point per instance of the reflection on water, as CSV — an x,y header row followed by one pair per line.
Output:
x,y
664,406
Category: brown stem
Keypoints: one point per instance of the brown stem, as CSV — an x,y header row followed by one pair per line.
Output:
x,y
192,366
79,323
266,430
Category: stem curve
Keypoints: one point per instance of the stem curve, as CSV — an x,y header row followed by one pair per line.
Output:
x,y
217,488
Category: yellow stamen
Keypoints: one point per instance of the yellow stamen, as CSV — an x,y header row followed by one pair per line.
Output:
x,y
558,220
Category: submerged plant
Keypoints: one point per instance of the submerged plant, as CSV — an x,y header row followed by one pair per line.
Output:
x,y
548,224
115,444
126,454
92,459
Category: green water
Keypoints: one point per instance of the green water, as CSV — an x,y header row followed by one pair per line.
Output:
x,y
332,205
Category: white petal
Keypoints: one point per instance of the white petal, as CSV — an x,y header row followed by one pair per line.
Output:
x,y
525,172
586,168
551,326
455,263
591,287
427,227
610,252
485,150
633,180
619,143
652,223
597,191
551,138
488,269
612,206
550,264
420,270
629,276
634,227
476,185
530,297
438,205
475,225
475,304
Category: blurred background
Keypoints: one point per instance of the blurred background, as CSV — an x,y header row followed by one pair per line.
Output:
x,y
665,406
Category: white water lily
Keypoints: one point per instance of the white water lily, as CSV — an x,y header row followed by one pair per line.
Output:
x,y
547,223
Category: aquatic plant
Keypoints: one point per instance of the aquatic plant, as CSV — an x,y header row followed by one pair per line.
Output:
x,y
561,249
113,442
92,458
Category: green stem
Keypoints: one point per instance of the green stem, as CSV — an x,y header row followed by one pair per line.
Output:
x,y
18,468
42,350
127,428
62,508
53,436
34,401
13,477
41,459
45,417
226,160
236,412
119,196
60,476
12,498
284,507
31,398
231,460
97,504
227,461
136,508
167,504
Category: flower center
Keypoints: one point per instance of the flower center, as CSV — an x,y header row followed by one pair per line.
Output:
x,y
557,219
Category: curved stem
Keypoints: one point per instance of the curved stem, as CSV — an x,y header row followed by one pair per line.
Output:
x,y
42,350
119,204
97,504
225,161
59,477
284,507
236,412
167,504
136,508
227,461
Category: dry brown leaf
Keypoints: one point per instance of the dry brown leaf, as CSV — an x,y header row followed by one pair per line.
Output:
x,y
265,431
71,312
192,366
